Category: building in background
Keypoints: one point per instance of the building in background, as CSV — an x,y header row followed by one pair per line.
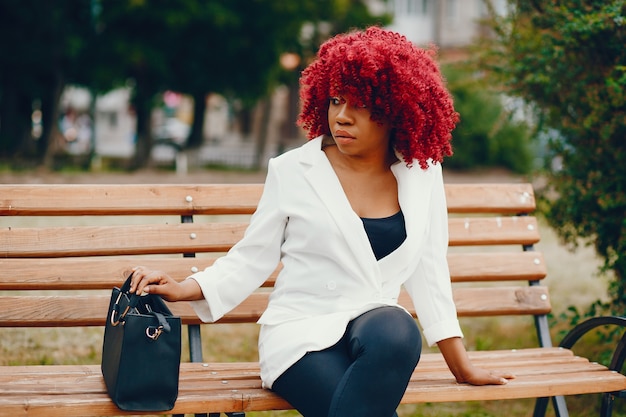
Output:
x,y
446,23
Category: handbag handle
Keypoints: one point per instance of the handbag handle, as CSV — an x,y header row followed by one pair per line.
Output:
x,y
116,317
133,300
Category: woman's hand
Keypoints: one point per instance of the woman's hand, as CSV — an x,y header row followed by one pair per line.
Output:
x,y
480,376
145,280
464,371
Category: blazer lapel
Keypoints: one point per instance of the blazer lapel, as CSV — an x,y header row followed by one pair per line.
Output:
x,y
414,190
414,187
325,183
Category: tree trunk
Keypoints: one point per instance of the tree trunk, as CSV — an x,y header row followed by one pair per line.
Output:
x,y
15,117
196,134
142,101
46,144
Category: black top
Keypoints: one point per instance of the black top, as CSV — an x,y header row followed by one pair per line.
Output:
x,y
386,234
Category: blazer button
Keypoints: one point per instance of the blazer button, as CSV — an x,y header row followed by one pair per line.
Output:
x,y
331,285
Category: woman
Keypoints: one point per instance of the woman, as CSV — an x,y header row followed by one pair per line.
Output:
x,y
353,215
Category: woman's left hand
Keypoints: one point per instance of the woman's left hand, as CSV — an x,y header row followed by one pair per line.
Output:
x,y
481,376
462,368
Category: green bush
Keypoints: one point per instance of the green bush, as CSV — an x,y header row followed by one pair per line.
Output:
x,y
569,62
488,135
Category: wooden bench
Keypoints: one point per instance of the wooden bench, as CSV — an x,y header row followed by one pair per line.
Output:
x,y
58,272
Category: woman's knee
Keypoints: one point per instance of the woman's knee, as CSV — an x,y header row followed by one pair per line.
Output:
x,y
390,331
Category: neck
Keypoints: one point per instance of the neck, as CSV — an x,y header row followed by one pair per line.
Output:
x,y
373,162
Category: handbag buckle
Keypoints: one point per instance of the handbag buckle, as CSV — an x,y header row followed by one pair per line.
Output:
x,y
154,332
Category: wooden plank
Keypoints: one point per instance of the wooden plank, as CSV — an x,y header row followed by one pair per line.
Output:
x,y
129,199
490,198
429,391
99,404
87,273
493,231
214,237
119,240
500,266
148,199
90,310
495,301
532,359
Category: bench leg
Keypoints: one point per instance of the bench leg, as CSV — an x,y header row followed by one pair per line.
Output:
x,y
560,408
607,405
195,343
541,406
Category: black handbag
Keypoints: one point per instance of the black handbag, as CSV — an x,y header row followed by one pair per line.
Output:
x,y
141,351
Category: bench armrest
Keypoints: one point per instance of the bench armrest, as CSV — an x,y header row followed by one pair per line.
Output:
x,y
619,355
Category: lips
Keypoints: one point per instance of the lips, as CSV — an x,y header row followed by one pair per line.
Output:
x,y
342,134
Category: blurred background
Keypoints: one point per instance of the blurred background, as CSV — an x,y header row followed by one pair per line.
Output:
x,y
127,84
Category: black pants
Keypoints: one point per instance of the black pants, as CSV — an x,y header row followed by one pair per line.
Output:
x,y
364,375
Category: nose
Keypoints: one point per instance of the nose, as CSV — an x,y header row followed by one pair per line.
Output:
x,y
343,114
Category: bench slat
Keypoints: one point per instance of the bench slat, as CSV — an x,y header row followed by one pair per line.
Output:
x,y
90,310
427,361
60,390
119,240
214,237
493,231
213,374
503,266
490,198
108,272
131,199
149,199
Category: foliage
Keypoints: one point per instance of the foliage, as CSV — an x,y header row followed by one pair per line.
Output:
x,y
488,134
569,62
41,49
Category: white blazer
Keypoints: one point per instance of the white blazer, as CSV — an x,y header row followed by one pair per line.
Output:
x,y
330,274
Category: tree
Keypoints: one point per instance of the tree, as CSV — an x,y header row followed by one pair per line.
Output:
x,y
568,60
41,50
229,47
132,46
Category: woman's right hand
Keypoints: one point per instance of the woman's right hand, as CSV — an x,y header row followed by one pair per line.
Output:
x,y
145,280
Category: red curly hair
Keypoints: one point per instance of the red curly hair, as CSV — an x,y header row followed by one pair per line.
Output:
x,y
399,82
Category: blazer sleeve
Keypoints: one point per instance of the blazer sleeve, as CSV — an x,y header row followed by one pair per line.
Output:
x,y
248,264
429,286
